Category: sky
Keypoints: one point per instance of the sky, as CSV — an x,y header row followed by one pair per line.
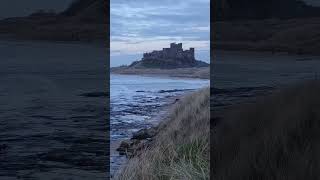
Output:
x,y
139,26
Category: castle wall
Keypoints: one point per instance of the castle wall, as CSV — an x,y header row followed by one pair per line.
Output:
x,y
174,52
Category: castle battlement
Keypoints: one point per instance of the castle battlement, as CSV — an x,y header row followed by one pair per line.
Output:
x,y
175,52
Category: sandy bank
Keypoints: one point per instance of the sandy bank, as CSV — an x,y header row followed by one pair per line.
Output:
x,y
202,73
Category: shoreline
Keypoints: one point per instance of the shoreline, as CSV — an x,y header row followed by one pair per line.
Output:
x,y
156,119
159,103
242,48
170,136
189,73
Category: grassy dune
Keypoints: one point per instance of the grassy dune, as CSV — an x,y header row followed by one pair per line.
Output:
x,y
276,138
180,150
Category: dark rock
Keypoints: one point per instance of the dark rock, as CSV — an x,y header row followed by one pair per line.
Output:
x,y
173,90
144,133
95,94
124,146
140,91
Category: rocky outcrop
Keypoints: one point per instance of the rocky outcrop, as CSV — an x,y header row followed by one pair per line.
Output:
x,y
139,141
169,58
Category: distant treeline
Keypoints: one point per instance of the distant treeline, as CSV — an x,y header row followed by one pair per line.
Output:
x,y
262,9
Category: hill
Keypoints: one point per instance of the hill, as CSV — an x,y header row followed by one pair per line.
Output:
x,y
169,58
267,25
83,20
263,9
296,36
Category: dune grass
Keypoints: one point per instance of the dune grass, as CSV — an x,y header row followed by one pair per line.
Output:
x,y
181,148
276,138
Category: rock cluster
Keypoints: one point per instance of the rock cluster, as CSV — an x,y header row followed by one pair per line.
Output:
x,y
140,140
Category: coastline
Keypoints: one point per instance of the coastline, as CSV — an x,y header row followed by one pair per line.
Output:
x,y
170,126
149,113
132,146
192,73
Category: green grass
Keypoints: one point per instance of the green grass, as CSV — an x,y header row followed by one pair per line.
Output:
x,y
181,148
278,137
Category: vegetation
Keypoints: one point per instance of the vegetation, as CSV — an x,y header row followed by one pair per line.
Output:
x,y
180,150
276,138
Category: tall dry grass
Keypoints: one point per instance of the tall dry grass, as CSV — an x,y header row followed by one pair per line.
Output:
x,y
276,138
181,148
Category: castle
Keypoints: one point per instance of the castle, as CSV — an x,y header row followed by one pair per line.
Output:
x,y
175,52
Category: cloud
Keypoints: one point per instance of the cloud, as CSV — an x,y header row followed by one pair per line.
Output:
x,y
138,26
134,47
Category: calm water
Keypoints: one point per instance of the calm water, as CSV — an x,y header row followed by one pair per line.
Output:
x,y
249,69
135,100
48,128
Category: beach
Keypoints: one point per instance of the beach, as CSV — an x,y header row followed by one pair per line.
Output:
x,y
195,72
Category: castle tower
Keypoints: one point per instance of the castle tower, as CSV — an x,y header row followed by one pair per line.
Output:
x,y
179,47
172,45
192,53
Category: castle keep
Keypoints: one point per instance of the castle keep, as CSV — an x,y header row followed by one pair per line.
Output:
x,y
175,52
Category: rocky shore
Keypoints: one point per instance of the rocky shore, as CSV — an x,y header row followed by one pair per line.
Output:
x,y
221,100
143,138
140,140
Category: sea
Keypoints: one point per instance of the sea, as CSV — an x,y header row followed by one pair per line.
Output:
x,y
140,102
50,126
